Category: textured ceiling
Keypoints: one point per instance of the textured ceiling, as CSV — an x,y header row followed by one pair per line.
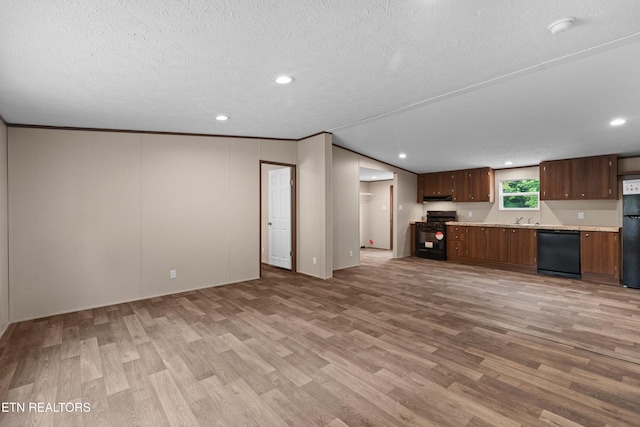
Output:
x,y
437,75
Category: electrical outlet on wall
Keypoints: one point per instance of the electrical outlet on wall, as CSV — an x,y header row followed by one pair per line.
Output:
x,y
350,253
173,274
315,261
470,214
580,215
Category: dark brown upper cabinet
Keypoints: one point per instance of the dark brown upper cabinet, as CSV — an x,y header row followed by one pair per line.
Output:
x,y
585,178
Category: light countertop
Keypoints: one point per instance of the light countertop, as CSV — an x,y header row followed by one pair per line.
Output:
x,y
539,226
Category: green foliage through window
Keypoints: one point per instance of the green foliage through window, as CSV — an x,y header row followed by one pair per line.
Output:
x,y
520,194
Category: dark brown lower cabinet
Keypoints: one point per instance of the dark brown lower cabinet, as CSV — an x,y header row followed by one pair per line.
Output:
x,y
477,242
456,242
600,256
508,248
523,244
515,248
497,244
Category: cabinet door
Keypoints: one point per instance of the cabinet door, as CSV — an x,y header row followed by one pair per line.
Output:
x,y
600,253
460,190
594,178
438,184
477,242
522,246
497,243
481,183
421,188
431,184
445,184
555,180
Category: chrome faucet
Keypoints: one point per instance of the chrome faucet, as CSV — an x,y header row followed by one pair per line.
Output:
x,y
519,219
528,220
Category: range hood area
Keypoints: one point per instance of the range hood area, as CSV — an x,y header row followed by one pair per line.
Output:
x,y
443,198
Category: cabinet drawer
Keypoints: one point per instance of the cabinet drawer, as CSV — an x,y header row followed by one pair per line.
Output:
x,y
457,249
460,237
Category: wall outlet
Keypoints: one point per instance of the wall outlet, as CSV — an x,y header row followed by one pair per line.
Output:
x,y
580,215
315,261
470,214
400,207
263,249
173,274
350,253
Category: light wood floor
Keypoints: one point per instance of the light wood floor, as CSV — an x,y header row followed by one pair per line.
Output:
x,y
392,342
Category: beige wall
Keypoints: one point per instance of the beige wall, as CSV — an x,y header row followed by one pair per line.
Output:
x,y
280,151
4,248
315,206
405,208
74,220
98,218
629,164
346,205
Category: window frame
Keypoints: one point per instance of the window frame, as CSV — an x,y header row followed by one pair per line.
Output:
x,y
501,195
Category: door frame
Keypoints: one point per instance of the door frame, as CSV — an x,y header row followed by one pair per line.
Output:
x,y
391,216
294,221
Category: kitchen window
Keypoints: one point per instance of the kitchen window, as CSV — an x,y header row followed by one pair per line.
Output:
x,y
520,194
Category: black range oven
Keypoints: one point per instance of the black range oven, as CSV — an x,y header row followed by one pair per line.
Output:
x,y
430,235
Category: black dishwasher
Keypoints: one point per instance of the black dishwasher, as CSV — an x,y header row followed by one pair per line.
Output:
x,y
559,253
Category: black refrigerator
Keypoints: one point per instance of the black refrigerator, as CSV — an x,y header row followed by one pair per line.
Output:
x,y
631,233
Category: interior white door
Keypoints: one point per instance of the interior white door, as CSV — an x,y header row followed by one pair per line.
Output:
x,y
280,217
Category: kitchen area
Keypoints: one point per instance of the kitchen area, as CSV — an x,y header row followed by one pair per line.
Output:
x,y
562,218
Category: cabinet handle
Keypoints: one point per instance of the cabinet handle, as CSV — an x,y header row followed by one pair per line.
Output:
x,y
513,231
586,235
582,194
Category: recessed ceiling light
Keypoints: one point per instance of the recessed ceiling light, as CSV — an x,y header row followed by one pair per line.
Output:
x,y
402,156
222,117
617,122
561,25
373,177
508,162
284,80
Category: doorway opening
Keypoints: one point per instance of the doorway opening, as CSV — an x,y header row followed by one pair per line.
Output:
x,y
278,215
376,210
